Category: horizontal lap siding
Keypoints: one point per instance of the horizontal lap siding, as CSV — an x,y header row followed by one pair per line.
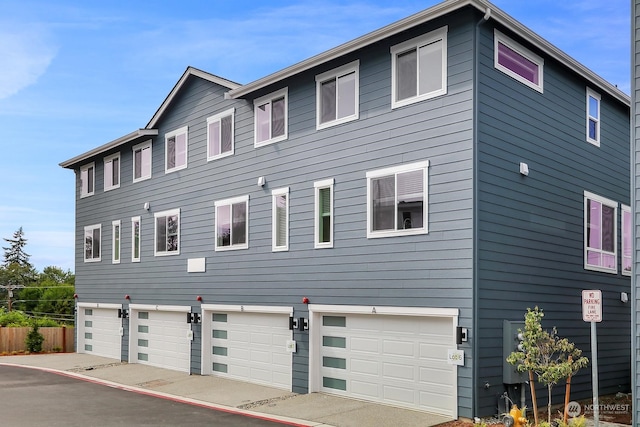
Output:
x,y
530,248
635,85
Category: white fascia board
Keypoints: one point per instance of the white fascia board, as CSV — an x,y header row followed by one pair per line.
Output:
x,y
153,307
385,310
99,305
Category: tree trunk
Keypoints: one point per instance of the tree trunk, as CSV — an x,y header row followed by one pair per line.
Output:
x,y
533,398
567,393
549,387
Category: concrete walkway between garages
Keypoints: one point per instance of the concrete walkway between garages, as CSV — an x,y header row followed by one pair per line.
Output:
x,y
315,409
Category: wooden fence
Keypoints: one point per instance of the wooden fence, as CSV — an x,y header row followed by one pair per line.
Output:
x,y
55,339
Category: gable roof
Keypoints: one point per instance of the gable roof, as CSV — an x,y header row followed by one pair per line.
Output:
x,y
490,11
190,71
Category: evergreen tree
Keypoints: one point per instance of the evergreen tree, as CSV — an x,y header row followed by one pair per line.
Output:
x,y
15,253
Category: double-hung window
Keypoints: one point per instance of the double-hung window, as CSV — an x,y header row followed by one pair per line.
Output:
x,y
115,242
627,240
176,143
280,219
232,224
271,120
323,230
142,161
135,239
397,200
87,180
593,117
419,68
220,135
112,172
167,232
337,95
517,61
600,233
92,238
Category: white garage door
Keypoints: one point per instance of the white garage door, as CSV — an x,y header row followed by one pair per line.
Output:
x,y
160,338
249,347
99,332
399,360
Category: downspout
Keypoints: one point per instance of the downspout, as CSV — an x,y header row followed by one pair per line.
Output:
x,y
476,77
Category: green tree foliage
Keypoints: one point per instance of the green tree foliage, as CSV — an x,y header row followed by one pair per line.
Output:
x,y
34,339
15,254
551,358
57,300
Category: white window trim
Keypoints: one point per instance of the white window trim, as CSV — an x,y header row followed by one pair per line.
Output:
x,y
393,171
415,43
319,185
133,239
614,205
226,202
218,118
596,96
84,253
352,67
499,37
155,232
183,130
106,160
268,98
115,224
626,209
274,219
84,169
141,147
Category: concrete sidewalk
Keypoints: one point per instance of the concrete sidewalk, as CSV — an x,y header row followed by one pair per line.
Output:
x,y
314,409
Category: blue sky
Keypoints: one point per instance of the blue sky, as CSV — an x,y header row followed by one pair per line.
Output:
x,y
78,74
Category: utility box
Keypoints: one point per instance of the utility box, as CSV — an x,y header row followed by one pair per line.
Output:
x,y
510,342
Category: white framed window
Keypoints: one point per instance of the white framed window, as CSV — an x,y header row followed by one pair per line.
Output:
x,y
397,200
135,239
112,172
518,62
142,161
115,241
419,68
280,219
337,95
232,224
87,180
175,149
220,135
627,240
271,118
593,117
167,234
323,229
600,233
92,243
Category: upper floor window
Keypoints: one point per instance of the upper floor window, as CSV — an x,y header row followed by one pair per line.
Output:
x,y
271,118
397,200
600,231
419,68
142,161
280,219
337,95
115,242
135,239
176,149
112,172
593,117
517,61
92,240
87,180
627,241
323,229
220,135
167,232
232,223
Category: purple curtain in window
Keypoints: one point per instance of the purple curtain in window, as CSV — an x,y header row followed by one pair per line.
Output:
x,y
517,63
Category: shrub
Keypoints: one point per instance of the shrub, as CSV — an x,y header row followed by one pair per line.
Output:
x,y
34,339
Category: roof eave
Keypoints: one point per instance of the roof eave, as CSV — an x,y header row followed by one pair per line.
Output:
x,y
133,136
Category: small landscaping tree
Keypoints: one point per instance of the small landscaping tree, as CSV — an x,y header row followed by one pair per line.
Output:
x,y
34,339
544,353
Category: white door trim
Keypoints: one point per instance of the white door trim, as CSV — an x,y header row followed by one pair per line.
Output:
x,y
269,309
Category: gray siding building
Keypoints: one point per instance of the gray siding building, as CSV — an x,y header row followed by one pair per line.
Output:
x,y
364,222
635,167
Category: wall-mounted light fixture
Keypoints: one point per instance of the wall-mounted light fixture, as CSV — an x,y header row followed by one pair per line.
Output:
x,y
199,298
146,206
127,297
261,181
123,313
461,335
524,169
624,297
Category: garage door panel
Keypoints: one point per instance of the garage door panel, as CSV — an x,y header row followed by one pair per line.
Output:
x,y
399,348
398,371
364,366
99,332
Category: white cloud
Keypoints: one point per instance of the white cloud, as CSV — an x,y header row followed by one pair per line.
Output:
x,y
26,53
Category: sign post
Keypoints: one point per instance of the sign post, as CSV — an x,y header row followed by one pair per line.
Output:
x,y
592,313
